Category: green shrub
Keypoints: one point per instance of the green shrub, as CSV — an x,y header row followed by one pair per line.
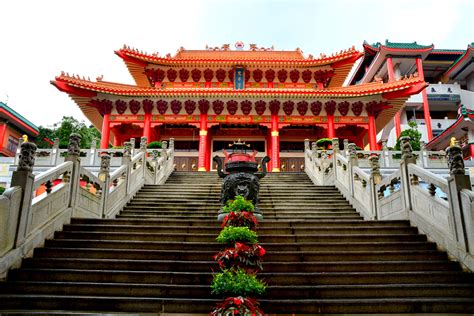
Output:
x,y
153,145
231,234
233,283
324,142
2,189
239,204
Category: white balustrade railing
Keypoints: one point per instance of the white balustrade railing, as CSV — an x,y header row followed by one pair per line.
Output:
x,y
381,185
37,205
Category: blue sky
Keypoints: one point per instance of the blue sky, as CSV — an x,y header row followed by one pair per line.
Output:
x,y
42,38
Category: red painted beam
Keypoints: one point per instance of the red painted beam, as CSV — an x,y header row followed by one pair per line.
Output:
x,y
415,89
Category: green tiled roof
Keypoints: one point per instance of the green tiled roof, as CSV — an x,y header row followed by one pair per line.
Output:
x,y
413,45
442,50
18,116
461,57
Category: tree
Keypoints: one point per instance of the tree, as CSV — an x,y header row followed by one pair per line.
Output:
x,y
414,135
63,130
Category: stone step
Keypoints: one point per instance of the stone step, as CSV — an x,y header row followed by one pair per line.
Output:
x,y
210,237
204,266
274,256
129,215
261,230
282,279
214,246
276,292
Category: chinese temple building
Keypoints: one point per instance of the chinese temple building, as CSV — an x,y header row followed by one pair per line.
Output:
x,y
271,99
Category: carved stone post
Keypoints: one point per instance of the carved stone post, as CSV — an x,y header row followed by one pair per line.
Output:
x,y
353,162
346,147
314,149
164,147
93,151
385,153
375,178
132,141
335,146
73,155
407,158
104,176
127,161
55,152
23,177
155,154
143,142
457,181
171,144
423,155
306,144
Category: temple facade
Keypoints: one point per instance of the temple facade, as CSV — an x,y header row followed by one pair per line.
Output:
x,y
271,99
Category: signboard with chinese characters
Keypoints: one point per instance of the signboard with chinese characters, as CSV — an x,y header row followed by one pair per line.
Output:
x,y
239,78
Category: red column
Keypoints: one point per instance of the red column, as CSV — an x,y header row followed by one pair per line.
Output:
x,y
391,77
426,107
3,129
331,128
269,151
275,156
116,141
104,140
207,158
472,151
147,127
202,143
372,133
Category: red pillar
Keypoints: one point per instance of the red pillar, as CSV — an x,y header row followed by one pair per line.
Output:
x,y
104,140
331,128
275,156
3,129
202,143
147,127
269,151
207,159
372,133
472,151
116,140
391,77
426,107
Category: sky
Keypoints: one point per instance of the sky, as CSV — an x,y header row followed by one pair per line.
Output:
x,y
39,39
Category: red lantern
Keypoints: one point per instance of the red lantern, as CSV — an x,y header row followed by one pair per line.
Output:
x,y
176,106
105,106
260,107
196,75
274,107
189,106
306,76
282,75
134,106
246,107
231,74
232,107
330,107
257,75
294,75
357,108
183,75
120,106
204,106
316,107
302,107
162,106
147,106
208,74
270,75
172,74
217,106
220,75
288,107
343,108
247,75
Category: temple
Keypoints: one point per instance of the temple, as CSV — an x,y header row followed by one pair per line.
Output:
x,y
272,99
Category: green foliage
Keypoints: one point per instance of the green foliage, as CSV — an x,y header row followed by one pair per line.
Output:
x,y
324,142
231,234
239,204
154,145
2,189
63,130
414,135
233,283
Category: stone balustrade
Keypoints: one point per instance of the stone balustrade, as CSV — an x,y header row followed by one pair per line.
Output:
x,y
74,185
405,185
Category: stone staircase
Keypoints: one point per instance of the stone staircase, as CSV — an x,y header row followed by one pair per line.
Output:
x,y
156,256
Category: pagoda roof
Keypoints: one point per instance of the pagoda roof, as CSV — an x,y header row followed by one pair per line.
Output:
x,y
397,46
18,120
82,91
465,120
136,61
463,66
